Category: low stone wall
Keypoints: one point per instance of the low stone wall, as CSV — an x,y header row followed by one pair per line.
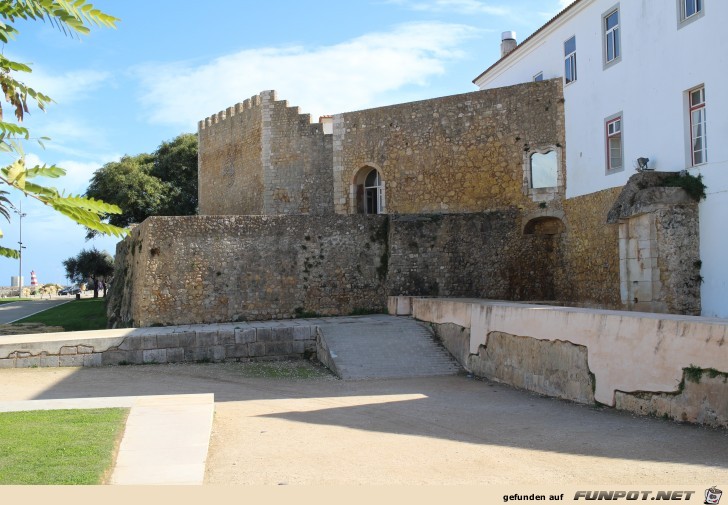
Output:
x,y
225,342
659,364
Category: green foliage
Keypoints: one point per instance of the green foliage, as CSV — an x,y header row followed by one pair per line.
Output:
x,y
90,264
71,17
693,373
78,315
58,446
692,184
163,183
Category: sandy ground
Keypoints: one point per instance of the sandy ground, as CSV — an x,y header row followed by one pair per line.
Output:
x,y
440,430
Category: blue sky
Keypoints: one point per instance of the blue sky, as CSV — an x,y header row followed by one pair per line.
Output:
x,y
171,63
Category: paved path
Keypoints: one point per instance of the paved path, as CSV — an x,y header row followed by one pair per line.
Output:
x,y
14,311
431,430
165,440
384,347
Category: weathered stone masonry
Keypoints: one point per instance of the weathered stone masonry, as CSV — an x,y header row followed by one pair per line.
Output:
x,y
214,269
263,157
463,219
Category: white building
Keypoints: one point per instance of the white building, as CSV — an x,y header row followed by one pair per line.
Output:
x,y
642,78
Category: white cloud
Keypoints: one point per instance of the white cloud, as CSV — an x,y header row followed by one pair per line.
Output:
x,y
351,75
67,86
78,173
457,6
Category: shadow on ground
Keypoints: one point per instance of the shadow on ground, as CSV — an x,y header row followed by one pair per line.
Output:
x,y
452,408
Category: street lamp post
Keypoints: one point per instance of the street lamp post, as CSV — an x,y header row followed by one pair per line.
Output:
x,y
19,211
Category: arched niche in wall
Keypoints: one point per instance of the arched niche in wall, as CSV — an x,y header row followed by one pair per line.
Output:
x,y
547,222
367,194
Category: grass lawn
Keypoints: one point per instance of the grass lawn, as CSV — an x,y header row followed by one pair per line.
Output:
x,y
59,446
78,315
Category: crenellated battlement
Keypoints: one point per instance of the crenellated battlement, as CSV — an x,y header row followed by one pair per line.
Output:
x,y
260,100
265,157
238,108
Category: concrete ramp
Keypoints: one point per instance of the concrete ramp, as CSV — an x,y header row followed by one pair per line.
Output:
x,y
378,347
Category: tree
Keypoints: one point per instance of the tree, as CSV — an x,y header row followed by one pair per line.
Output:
x,y
175,163
92,264
163,183
71,17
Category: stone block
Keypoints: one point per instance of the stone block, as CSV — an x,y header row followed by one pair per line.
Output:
x,y
216,353
132,343
263,335
298,347
237,351
67,350
49,361
282,334
155,355
196,354
30,362
206,339
168,341
175,355
187,339
226,337
278,348
114,357
135,357
71,360
7,363
302,332
149,342
85,349
93,359
257,349
245,336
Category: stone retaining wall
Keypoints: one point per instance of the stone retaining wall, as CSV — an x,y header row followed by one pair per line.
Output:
x,y
232,342
658,364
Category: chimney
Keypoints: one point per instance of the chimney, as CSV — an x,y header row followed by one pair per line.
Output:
x,y
508,42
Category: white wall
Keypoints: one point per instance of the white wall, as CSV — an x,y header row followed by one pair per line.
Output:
x,y
659,64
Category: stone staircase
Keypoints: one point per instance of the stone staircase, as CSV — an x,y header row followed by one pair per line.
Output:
x,y
378,347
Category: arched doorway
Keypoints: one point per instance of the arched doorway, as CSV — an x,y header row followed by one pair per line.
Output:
x,y
369,191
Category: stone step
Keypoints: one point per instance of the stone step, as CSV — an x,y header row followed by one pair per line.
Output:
x,y
383,347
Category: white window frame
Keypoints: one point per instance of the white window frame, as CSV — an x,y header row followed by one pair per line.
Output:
x,y
571,59
697,113
378,188
611,35
614,129
683,18
538,77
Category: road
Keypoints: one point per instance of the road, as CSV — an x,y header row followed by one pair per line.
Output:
x,y
11,312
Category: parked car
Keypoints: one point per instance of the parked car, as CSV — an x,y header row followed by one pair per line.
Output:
x,y
69,291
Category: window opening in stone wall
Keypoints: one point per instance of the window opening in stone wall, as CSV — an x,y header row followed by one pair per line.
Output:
x,y
544,170
374,193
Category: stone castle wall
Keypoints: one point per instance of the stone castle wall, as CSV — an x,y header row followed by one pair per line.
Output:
x,y
481,255
461,153
263,157
589,271
209,269
230,166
